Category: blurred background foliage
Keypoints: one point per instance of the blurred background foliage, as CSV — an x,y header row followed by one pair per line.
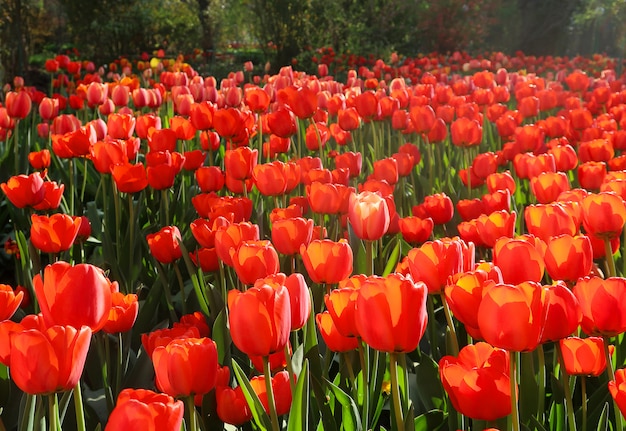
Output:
x,y
221,34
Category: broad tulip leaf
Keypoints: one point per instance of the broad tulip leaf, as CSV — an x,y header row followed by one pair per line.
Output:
x,y
261,418
299,413
430,421
392,261
603,422
350,412
430,390
221,336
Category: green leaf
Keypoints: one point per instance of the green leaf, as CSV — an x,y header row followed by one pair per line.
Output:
x,y
528,387
350,412
392,261
429,388
298,415
259,414
538,425
221,336
430,421
603,423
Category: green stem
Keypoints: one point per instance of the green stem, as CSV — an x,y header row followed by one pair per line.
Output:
x,y
395,390
53,412
569,405
292,376
363,349
181,285
168,292
609,257
27,420
513,379
446,310
104,368
78,405
191,410
541,379
270,393
611,373
131,240
369,257
432,328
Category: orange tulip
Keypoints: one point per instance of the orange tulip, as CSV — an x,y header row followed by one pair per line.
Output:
x,y
327,261
162,337
604,215
466,132
52,197
341,304
48,361
240,162
324,198
231,236
183,128
9,301
161,140
24,190
568,257
439,207
130,178
165,244
617,388
267,310
144,409
39,160
270,178
416,230
591,175
301,100
291,233
478,381
123,313
500,181
518,260
391,313
547,186
105,155
609,318
563,315
333,339
512,317
121,126
434,262
583,356
299,295
495,225
74,295
55,233
186,366
209,178
546,221
253,260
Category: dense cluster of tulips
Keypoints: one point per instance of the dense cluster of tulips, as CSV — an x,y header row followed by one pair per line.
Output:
x,y
418,247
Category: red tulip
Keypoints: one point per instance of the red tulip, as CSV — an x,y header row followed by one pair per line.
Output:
x,y
327,261
434,262
291,233
563,315
260,319
186,366
253,260
518,260
478,381
147,410
55,233
604,215
333,339
130,178
24,190
603,305
391,313
52,360
123,313
165,244
568,257
583,356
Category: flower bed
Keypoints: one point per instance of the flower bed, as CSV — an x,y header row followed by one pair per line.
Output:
x,y
432,243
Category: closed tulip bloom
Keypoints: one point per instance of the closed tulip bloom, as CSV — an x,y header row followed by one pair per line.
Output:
x,y
583,356
53,234
333,339
500,181
291,233
568,257
546,221
161,140
466,132
299,296
240,162
439,207
260,319
282,123
232,407
121,126
512,317
186,366
350,161
341,304
270,178
416,230
209,179
591,175
18,104
327,261
9,301
24,190
464,293
494,226
253,260
130,178
434,262
391,313
105,155
165,244
478,381
231,236
369,215
146,410
44,362
39,160
281,389
123,313
348,119
518,260
74,295
547,186
563,315
324,198
604,215
162,337
603,304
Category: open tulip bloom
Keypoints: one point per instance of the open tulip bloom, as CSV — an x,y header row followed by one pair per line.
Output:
x,y
423,243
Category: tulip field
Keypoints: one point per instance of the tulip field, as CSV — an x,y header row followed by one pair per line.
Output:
x,y
431,243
